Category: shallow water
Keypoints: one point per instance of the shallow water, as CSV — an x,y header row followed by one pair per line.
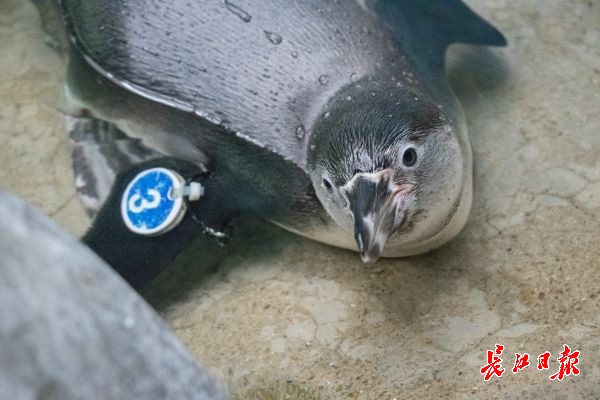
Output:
x,y
277,313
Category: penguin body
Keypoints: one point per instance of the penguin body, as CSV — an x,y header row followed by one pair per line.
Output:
x,y
273,96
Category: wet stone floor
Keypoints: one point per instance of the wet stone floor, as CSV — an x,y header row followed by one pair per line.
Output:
x,y
275,316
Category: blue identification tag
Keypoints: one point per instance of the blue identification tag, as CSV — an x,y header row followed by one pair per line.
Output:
x,y
153,202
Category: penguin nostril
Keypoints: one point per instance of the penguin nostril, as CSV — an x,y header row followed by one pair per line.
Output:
x,y
327,185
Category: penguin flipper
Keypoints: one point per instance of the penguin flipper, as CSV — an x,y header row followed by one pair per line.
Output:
x,y
138,258
100,152
427,28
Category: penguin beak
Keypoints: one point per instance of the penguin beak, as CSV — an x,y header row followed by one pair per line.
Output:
x,y
378,205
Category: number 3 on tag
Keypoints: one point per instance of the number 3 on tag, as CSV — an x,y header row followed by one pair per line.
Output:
x,y
137,203
147,206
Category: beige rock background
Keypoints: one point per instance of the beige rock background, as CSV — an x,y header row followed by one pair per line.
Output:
x,y
278,317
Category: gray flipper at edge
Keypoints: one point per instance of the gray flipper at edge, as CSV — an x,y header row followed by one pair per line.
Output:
x,y
426,28
71,329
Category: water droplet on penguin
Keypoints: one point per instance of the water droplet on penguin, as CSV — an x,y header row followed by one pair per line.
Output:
x,y
273,37
300,132
324,79
242,14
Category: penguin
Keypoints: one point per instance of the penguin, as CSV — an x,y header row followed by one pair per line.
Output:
x,y
333,120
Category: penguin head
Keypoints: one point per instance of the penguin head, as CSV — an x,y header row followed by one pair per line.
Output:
x,y
385,161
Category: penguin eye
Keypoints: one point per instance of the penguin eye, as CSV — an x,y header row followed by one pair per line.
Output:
x,y
409,158
328,185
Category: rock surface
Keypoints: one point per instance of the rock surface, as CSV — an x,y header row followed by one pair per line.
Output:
x,y
282,316
70,328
